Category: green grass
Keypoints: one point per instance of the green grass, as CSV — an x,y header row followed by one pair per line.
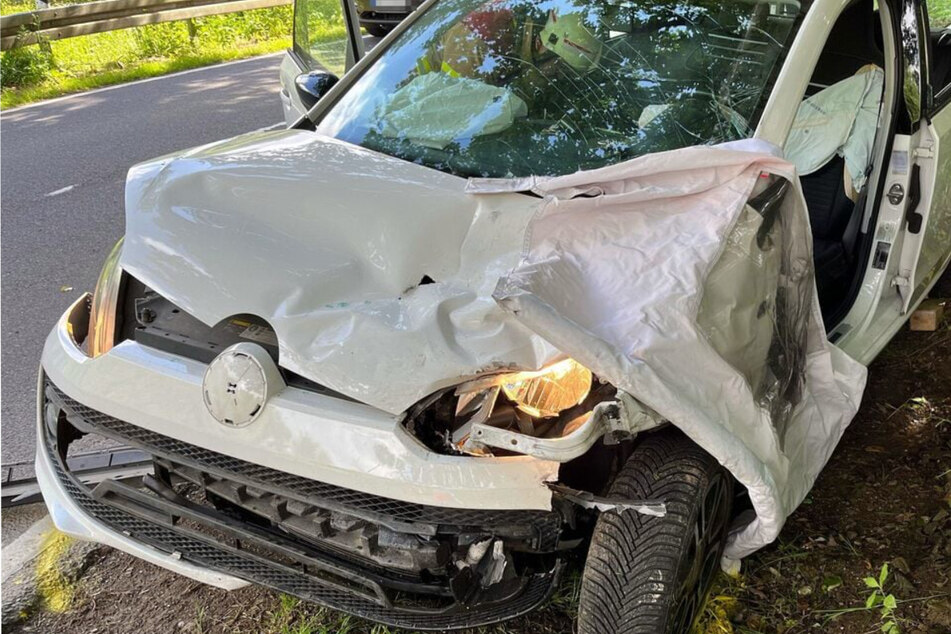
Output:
x,y
16,6
939,13
60,67
290,618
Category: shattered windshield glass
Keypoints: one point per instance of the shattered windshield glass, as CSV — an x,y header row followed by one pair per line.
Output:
x,y
509,88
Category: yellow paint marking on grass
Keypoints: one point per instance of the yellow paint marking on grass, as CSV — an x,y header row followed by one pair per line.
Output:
x,y
720,606
55,590
717,614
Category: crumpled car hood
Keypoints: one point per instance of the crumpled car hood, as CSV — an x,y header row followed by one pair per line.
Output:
x,y
329,243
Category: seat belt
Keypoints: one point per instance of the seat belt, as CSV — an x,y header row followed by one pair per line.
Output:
x,y
851,233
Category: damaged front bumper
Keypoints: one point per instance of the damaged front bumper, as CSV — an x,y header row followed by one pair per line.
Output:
x,y
302,432
224,519
453,568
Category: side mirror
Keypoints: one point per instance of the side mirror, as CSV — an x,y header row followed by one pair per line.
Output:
x,y
313,85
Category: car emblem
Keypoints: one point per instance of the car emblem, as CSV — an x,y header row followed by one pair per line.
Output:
x,y
238,384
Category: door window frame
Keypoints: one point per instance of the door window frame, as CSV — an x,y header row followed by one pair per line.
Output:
x,y
882,148
351,21
942,98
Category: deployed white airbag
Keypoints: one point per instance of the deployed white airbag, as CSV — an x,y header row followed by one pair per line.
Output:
x,y
660,277
839,120
436,108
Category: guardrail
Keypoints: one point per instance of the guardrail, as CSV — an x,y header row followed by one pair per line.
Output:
x,y
56,23
19,485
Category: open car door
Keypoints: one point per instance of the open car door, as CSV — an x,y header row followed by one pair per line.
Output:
x,y
327,39
926,228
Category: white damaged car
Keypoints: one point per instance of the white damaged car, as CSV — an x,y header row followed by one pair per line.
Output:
x,y
530,278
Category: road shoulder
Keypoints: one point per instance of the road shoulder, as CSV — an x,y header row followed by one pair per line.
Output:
x,y
40,567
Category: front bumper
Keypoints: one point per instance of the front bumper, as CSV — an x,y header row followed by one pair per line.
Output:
x,y
304,433
246,521
388,19
62,497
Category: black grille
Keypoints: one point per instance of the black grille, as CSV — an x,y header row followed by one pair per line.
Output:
x,y
374,507
299,584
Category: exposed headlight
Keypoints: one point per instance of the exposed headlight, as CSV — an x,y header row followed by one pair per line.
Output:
x,y
105,299
549,391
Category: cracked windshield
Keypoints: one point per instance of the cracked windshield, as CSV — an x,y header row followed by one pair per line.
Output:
x,y
510,88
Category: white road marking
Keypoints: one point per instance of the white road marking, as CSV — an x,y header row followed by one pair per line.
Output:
x,y
139,81
61,190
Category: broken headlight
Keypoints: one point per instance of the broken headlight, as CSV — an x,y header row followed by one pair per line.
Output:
x,y
556,413
550,391
105,299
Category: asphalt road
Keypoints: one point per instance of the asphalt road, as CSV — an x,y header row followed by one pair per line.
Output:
x,y
62,174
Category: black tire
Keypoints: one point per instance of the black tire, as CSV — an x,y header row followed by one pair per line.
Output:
x,y
650,575
378,30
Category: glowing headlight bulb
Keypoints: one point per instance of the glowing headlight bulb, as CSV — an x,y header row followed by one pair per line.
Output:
x,y
549,391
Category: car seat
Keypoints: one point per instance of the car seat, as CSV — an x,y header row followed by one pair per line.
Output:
x,y
835,207
835,224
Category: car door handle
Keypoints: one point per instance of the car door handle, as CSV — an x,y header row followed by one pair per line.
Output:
x,y
912,216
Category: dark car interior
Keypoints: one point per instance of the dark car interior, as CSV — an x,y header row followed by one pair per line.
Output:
x,y
941,59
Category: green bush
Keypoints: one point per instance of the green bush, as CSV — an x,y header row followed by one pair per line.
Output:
x,y
163,40
246,26
25,66
94,55
101,59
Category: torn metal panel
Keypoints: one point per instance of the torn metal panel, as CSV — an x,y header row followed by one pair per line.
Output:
x,y
585,499
623,417
627,417
488,559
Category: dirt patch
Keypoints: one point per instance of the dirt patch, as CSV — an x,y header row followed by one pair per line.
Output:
x,y
124,595
885,496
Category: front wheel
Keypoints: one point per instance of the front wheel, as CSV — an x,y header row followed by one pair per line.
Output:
x,y
651,575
